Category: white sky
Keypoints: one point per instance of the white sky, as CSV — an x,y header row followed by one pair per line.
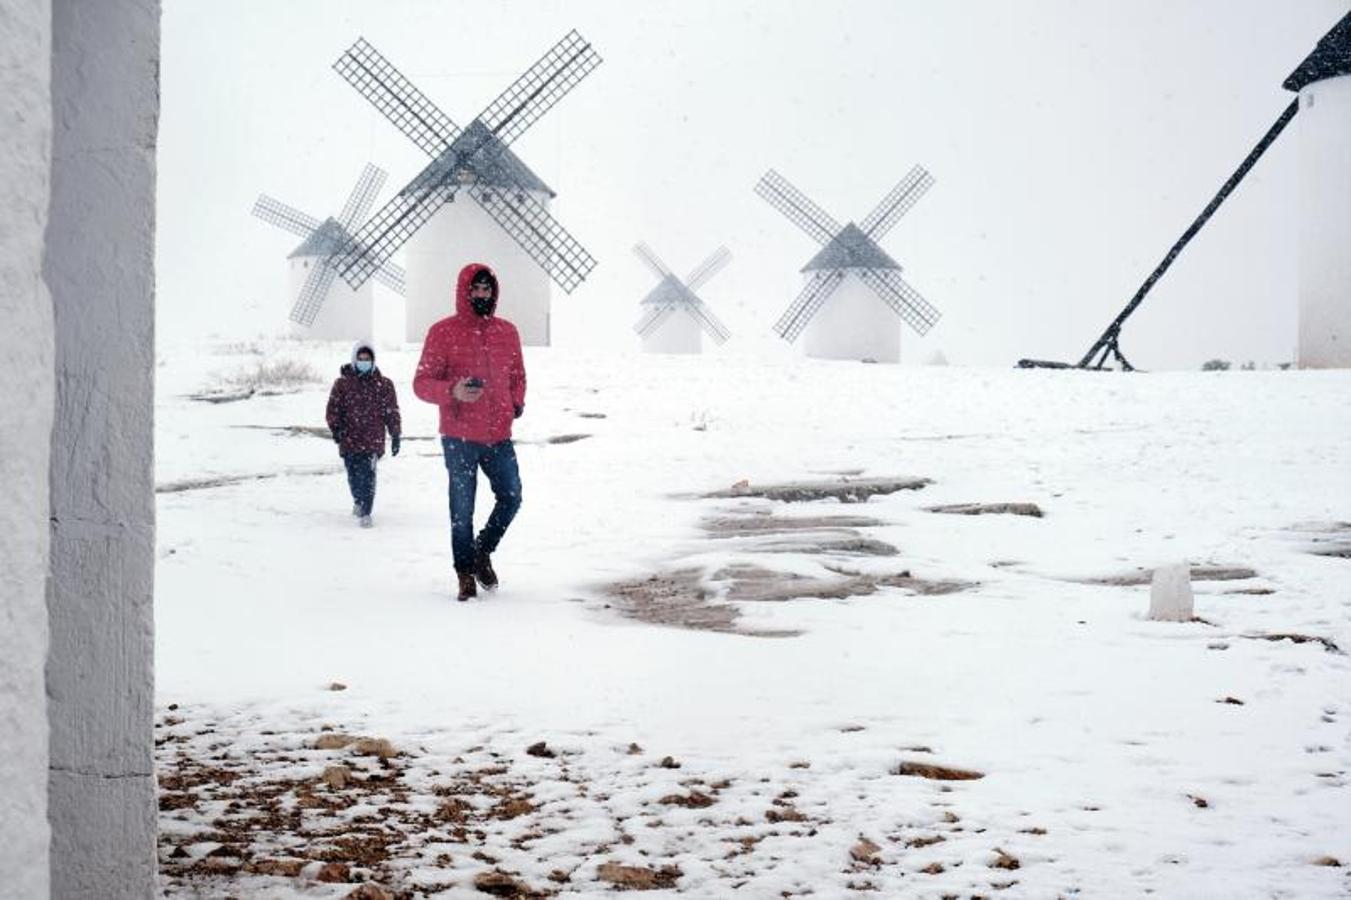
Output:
x,y
1072,142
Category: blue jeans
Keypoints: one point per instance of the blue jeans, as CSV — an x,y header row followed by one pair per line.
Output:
x,y
498,462
361,480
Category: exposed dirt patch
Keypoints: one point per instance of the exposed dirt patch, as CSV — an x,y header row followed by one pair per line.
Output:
x,y
197,484
1198,573
767,523
680,599
1328,644
936,773
986,509
638,878
845,490
843,542
755,584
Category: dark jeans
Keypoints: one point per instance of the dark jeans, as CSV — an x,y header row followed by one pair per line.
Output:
x,y
498,462
361,480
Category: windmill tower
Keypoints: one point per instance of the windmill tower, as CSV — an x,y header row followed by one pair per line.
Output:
x,y
853,273
1323,82
326,308
502,215
673,314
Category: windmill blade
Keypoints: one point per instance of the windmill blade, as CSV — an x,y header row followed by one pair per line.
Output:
x,y
900,296
799,209
897,202
542,85
385,232
363,195
654,317
537,232
313,292
645,253
808,303
274,212
392,277
376,79
709,322
708,268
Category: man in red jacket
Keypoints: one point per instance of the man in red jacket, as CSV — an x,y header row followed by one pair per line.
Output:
x,y
471,367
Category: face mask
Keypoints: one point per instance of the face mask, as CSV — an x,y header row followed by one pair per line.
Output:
x,y
482,305
365,365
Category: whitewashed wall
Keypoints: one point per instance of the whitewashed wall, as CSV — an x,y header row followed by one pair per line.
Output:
x,y
346,315
26,413
461,233
1324,124
854,323
99,266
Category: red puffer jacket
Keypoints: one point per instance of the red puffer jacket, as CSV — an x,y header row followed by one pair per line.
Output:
x,y
361,407
470,345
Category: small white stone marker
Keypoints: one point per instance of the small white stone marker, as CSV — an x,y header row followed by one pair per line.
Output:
x,y
1170,595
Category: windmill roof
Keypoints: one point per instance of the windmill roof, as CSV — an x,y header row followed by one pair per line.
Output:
x,y
1332,57
479,152
325,240
851,249
668,290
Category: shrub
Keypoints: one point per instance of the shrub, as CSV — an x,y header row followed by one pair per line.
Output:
x,y
1215,365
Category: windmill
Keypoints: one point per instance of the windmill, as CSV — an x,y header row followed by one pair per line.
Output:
x,y
851,272
1323,84
509,201
322,309
673,313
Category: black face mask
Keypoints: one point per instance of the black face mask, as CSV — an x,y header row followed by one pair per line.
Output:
x,y
482,305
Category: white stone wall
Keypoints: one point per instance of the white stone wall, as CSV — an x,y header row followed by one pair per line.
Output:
x,y
680,333
854,323
99,266
346,315
1324,124
26,413
458,234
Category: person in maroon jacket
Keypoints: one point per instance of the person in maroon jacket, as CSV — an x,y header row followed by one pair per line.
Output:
x,y
361,406
471,367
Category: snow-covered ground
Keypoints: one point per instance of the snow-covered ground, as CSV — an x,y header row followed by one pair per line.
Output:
x,y
1120,756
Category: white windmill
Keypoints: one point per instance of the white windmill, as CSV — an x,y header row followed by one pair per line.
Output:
x,y
326,308
507,225
854,290
673,314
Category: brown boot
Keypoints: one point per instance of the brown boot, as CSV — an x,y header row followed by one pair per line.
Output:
x,y
483,571
467,587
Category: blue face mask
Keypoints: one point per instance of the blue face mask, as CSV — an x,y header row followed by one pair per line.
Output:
x,y
365,365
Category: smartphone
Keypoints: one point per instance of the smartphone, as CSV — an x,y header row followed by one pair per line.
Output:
x,y
474,382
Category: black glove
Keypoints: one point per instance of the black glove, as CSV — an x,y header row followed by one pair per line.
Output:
x,y
518,409
394,445
337,436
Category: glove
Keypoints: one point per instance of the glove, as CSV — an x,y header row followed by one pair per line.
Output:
x,y
394,445
337,436
518,409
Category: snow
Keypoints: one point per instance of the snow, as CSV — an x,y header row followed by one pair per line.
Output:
x,y
1106,730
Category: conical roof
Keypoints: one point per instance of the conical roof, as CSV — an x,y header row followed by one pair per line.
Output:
x,y
484,159
326,240
851,249
668,290
1332,57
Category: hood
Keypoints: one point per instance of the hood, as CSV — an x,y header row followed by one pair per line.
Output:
x,y
350,367
462,307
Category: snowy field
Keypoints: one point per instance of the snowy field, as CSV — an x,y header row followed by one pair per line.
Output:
x,y
1120,757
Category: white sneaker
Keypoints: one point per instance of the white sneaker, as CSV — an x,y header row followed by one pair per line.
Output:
x,y
356,509
364,521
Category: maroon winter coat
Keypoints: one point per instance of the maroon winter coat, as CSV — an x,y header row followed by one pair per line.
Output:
x,y
361,408
464,345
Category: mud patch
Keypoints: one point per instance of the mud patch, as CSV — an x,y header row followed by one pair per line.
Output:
x,y
680,599
767,523
215,481
1328,644
846,491
1145,576
987,509
754,584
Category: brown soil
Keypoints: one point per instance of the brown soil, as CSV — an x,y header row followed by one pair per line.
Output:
x,y
983,509
1198,573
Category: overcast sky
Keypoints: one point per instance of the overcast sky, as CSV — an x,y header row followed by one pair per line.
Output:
x,y
1072,142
